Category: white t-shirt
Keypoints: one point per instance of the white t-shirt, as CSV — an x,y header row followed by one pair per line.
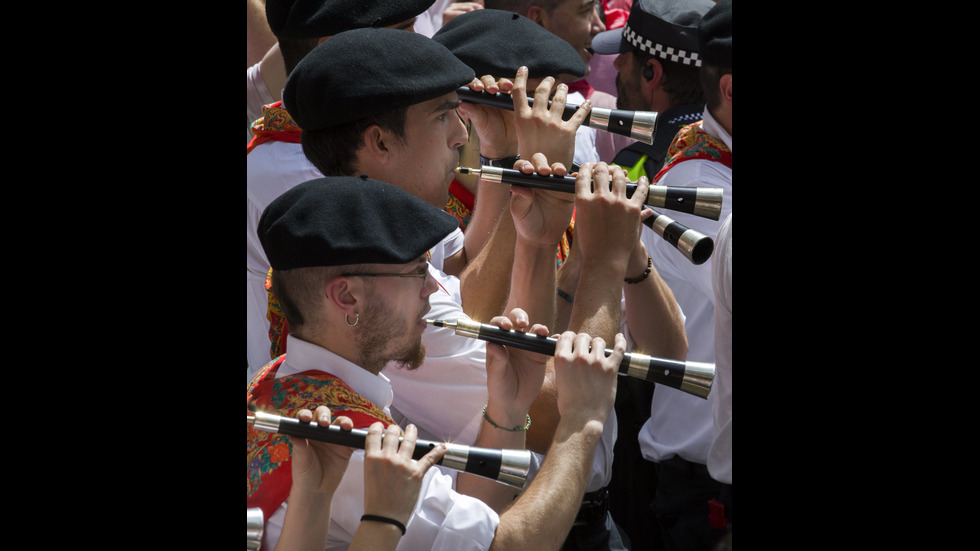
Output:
x,y
720,454
680,423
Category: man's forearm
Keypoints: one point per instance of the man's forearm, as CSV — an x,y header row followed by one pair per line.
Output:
x,y
485,282
598,301
542,517
306,522
498,496
532,282
655,320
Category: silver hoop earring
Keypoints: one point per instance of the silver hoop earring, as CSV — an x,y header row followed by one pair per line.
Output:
x,y
356,319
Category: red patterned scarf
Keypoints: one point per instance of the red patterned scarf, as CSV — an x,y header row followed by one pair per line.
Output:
x,y
691,142
460,204
268,455
275,124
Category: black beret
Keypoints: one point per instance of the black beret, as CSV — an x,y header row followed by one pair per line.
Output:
x,y
363,72
715,35
498,42
666,29
349,220
319,18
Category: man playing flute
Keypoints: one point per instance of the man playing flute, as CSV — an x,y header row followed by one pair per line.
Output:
x,y
349,259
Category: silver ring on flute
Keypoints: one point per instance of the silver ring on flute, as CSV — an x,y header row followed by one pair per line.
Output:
x,y
385,519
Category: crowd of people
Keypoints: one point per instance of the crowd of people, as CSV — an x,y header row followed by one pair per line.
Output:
x,y
360,227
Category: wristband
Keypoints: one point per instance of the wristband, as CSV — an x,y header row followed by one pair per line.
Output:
x,y
518,428
385,519
645,273
506,162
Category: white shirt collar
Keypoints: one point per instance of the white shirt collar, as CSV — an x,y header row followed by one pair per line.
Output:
x,y
304,356
714,128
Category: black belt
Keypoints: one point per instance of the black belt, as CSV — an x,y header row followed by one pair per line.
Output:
x,y
679,464
594,507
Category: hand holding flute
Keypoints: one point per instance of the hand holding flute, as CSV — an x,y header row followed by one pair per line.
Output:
x,y
524,130
392,481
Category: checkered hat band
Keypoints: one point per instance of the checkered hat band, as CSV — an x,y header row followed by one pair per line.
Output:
x,y
660,50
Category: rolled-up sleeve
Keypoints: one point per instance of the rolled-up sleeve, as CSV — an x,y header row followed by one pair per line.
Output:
x,y
445,520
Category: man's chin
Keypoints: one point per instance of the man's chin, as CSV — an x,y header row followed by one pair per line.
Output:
x,y
410,361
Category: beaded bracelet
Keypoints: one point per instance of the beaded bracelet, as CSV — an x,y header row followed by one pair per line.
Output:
x,y
385,519
518,428
565,295
645,274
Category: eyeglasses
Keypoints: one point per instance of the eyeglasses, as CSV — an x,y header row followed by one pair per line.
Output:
x,y
419,274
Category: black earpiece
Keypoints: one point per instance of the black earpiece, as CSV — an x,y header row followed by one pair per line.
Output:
x,y
648,72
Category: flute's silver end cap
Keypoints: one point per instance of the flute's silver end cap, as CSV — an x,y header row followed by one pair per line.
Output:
x,y
253,528
644,123
696,246
709,203
698,378
514,467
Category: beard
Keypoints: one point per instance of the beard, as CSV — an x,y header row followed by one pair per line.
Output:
x,y
376,344
409,360
626,96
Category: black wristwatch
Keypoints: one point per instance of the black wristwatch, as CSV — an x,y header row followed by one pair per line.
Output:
x,y
506,162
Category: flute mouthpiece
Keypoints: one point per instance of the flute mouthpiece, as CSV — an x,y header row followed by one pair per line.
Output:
x,y
467,170
437,323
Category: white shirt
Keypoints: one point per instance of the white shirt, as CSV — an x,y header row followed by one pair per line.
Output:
x,y
257,95
271,168
446,395
720,454
585,137
681,423
430,21
443,519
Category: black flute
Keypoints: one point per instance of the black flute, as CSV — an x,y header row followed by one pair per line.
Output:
x,y
639,125
507,466
699,201
691,377
694,245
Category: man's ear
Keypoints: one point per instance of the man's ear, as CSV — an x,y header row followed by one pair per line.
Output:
x,y
653,72
725,84
538,15
375,142
343,293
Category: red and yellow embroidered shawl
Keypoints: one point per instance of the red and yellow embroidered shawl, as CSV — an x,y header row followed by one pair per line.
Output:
x,y
268,455
690,143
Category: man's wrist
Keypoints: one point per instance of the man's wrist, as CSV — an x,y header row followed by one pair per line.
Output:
x,y
509,419
500,161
